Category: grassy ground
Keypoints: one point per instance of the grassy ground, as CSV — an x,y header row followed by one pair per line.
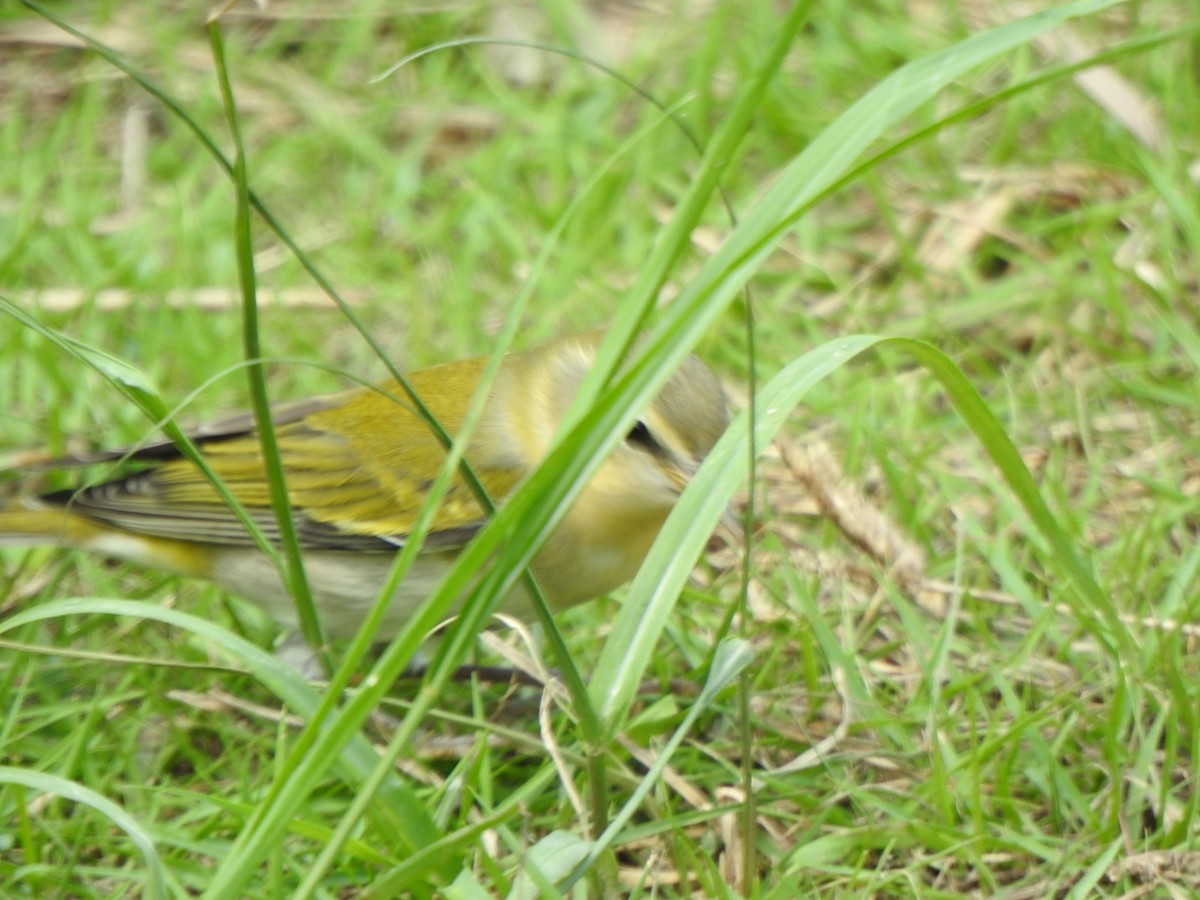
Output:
x,y
938,704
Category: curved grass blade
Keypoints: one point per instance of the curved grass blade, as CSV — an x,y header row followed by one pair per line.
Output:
x,y
628,651
730,660
155,884
141,391
401,811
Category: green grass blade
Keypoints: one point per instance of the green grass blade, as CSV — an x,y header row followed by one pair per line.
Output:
x,y
404,811
1007,459
730,660
141,391
822,163
155,883
629,649
297,582
676,237
830,155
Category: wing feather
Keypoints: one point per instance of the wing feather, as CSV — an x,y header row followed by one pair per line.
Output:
x,y
346,492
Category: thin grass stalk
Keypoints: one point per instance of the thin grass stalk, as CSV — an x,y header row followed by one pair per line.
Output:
x,y
294,577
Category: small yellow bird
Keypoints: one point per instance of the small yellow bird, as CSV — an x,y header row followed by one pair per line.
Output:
x,y
358,465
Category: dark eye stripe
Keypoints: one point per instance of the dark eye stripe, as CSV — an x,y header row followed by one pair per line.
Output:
x,y
640,436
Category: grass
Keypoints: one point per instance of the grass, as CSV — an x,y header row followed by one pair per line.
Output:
x,y
938,703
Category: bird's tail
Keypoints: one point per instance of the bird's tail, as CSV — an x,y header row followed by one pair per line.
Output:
x,y
36,526
33,525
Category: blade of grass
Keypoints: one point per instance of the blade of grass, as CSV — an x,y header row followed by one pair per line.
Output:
x,y
155,881
293,572
140,390
821,164
462,633
731,658
629,649
410,821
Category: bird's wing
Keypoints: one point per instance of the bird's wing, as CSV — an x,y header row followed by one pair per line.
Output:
x,y
158,449
341,496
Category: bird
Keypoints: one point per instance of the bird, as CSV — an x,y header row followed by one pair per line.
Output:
x,y
358,466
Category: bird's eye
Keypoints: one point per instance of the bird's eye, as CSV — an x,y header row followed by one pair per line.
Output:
x,y
640,436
